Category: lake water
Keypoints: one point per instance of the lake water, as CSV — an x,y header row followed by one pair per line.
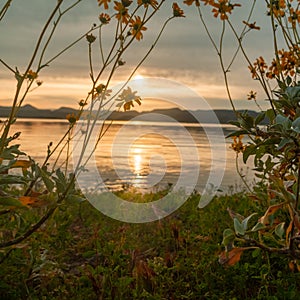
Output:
x,y
145,155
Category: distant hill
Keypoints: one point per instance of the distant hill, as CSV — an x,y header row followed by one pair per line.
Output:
x,y
29,111
224,116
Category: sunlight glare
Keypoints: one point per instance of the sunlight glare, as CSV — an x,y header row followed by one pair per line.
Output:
x,y
138,77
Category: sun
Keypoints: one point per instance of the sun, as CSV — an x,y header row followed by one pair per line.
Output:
x,y
138,77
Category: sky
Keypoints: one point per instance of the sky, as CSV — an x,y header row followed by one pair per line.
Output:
x,y
183,54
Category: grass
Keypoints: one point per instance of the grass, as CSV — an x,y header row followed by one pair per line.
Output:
x,y
82,254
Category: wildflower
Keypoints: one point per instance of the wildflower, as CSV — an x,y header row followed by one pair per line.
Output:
x,y
100,88
177,11
90,38
260,65
122,12
289,61
137,28
252,25
121,62
126,3
146,3
82,103
72,118
253,72
102,91
39,82
237,144
104,2
190,2
222,8
104,18
294,17
127,98
31,75
277,7
251,95
273,70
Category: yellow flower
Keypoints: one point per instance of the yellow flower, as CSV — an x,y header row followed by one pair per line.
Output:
x,y
104,2
177,11
146,3
277,7
72,118
137,28
127,99
31,75
102,91
122,12
104,18
252,25
260,65
252,95
223,7
294,17
190,2
253,72
237,144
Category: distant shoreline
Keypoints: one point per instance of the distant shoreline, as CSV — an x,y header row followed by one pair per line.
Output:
x,y
223,115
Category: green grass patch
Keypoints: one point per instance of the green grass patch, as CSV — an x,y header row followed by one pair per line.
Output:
x,y
83,254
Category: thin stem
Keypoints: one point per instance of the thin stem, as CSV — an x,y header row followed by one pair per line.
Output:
x,y
5,9
7,66
53,30
22,78
70,45
240,174
100,44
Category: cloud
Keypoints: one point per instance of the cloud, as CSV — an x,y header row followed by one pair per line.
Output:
x,y
183,53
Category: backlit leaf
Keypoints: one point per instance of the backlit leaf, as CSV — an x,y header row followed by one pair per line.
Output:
x,y
279,230
21,163
228,237
270,211
258,226
238,227
245,221
232,257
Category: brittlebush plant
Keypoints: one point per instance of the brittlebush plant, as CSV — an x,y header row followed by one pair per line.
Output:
x,y
29,197
273,136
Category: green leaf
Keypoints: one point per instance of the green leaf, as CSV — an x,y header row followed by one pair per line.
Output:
x,y
228,237
10,201
284,122
293,92
60,180
249,150
259,226
270,114
235,123
259,118
246,220
284,142
238,227
296,125
12,179
279,230
46,179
